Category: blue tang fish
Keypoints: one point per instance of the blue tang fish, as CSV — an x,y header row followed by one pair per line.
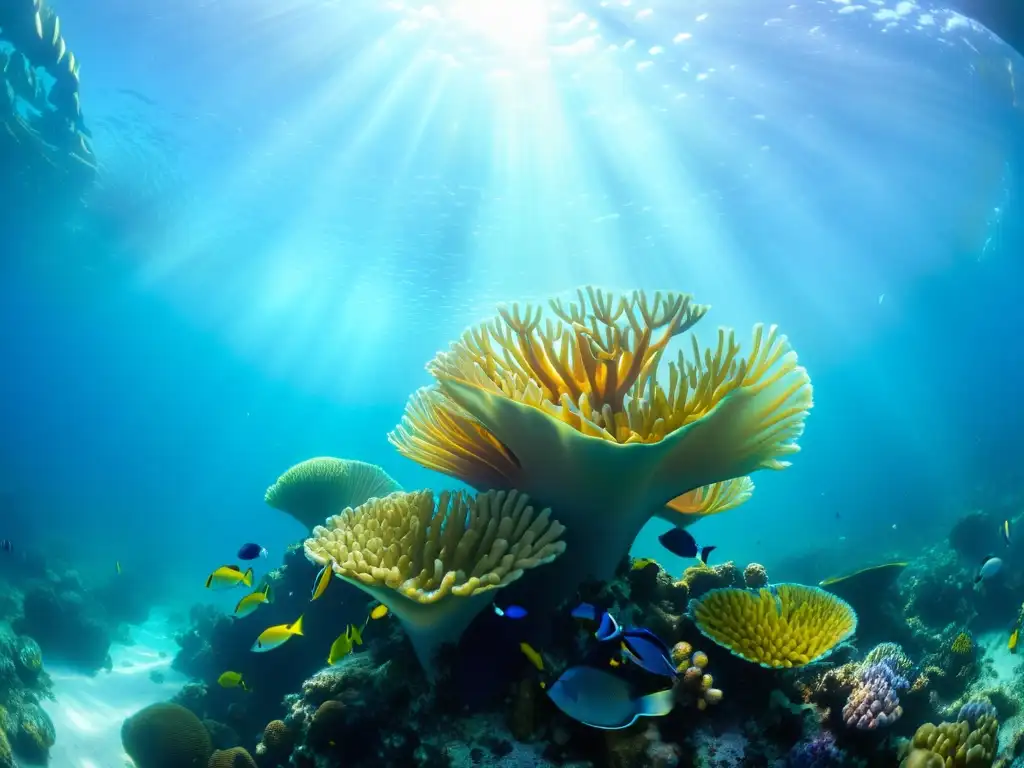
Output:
x,y
639,645
251,551
603,700
511,612
680,542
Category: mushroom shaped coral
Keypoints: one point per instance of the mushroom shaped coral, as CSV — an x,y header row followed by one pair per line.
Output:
x,y
792,627
569,410
313,490
436,567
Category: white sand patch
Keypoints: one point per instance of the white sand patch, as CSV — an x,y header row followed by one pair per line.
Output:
x,y
1006,667
89,711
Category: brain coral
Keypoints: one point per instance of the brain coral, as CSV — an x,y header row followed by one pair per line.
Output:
x,y
236,757
567,407
313,490
436,567
166,735
787,626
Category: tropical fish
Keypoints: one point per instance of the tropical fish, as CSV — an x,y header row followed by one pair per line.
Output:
x,y
231,680
601,699
535,658
640,563
276,636
587,612
228,576
1012,642
6,546
511,612
251,551
680,542
39,25
990,566
117,567
62,48
251,602
322,580
343,646
379,612
639,646
56,30
1006,532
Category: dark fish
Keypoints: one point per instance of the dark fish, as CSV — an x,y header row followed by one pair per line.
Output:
x,y
6,546
601,699
511,612
251,551
680,542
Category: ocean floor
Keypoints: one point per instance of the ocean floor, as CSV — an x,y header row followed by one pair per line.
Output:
x,y
89,711
1005,669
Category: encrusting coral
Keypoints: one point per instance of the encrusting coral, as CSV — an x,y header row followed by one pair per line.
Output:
x,y
436,567
568,409
787,626
313,490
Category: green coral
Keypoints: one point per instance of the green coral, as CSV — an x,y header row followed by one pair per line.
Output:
x,y
316,489
166,736
891,653
954,745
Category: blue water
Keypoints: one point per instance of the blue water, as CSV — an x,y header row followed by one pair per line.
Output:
x,y
302,201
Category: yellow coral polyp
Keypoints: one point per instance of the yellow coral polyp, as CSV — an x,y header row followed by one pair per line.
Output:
x,y
562,402
436,566
790,628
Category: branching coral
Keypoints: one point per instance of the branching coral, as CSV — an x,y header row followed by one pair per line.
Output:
x,y
569,410
436,567
313,490
788,626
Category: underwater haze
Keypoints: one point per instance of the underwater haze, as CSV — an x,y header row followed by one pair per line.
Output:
x,y
298,203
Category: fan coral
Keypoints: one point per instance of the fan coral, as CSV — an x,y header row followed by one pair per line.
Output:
x,y
236,757
709,500
436,568
787,626
313,490
875,700
954,745
166,736
568,409
755,576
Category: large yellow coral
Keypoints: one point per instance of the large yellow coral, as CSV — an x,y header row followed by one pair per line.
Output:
x,y
954,745
568,409
786,626
436,567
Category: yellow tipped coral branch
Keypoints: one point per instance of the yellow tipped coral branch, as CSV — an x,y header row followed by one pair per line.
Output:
x,y
789,626
569,409
436,567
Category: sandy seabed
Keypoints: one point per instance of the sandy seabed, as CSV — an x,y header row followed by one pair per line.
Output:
x,y
88,711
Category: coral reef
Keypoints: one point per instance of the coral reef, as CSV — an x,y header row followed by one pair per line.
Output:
x,y
166,736
569,410
315,489
26,731
436,566
956,745
874,701
789,625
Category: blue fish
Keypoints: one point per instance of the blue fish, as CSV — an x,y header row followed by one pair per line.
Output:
x,y
251,551
603,700
680,542
639,645
511,612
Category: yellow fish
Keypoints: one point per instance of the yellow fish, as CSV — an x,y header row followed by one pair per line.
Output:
x,y
1012,643
642,562
355,634
530,653
251,602
117,566
379,612
323,579
56,30
228,576
231,680
276,636
1006,532
62,48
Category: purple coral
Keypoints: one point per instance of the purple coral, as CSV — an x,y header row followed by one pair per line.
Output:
x,y
819,752
972,710
875,702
